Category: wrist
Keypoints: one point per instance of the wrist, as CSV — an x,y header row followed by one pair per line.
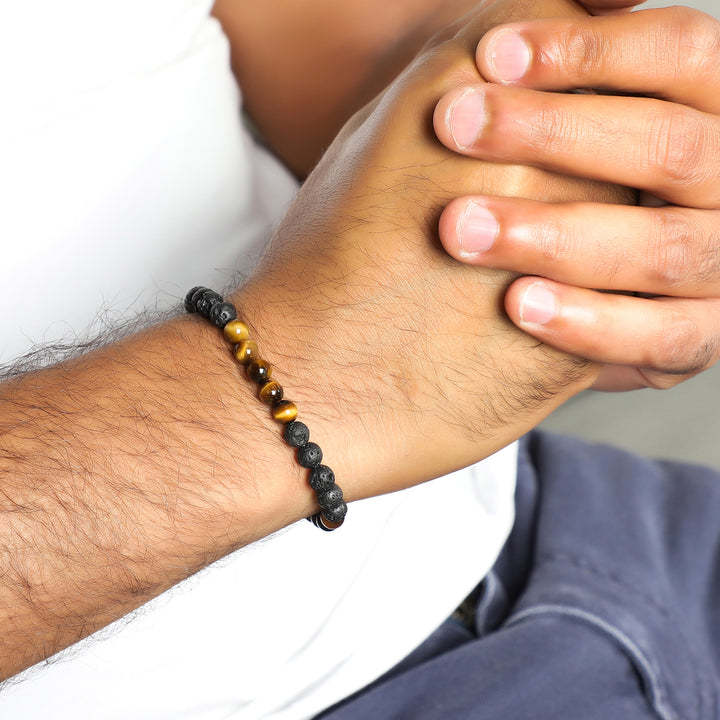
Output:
x,y
261,487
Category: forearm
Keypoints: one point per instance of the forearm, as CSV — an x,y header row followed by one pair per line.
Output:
x,y
129,469
124,472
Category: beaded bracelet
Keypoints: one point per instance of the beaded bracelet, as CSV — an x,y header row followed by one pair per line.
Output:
x,y
211,305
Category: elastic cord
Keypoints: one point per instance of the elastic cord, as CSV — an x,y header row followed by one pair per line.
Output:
x,y
296,434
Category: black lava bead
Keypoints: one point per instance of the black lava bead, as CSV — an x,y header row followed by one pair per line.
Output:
x,y
205,302
189,304
336,514
330,498
321,478
296,434
309,455
221,313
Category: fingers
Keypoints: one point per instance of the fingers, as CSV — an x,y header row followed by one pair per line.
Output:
x,y
667,149
673,336
670,53
663,250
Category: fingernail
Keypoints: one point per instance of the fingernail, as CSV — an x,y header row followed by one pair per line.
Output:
x,y
539,305
478,230
509,56
467,118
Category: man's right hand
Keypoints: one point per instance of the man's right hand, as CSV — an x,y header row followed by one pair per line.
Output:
x,y
400,357
132,467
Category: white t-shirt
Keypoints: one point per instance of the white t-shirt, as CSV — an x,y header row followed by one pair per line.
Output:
x,y
127,178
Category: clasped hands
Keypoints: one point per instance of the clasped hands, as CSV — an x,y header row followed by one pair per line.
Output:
x,y
402,357
664,141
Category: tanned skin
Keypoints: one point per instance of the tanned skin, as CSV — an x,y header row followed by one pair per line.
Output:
x,y
128,469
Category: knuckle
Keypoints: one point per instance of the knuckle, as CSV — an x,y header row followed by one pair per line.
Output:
x,y
681,151
707,263
680,348
550,130
697,40
578,50
685,249
670,261
552,242
439,67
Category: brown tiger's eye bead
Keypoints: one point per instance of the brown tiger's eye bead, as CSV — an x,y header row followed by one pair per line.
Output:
x,y
271,392
285,411
236,331
320,520
329,524
259,371
246,351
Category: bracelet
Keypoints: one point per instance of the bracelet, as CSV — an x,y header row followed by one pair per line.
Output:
x,y
211,305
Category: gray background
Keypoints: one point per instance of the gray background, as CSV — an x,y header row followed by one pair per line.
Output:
x,y
681,423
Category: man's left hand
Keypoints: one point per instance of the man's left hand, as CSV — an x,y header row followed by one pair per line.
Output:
x,y
666,144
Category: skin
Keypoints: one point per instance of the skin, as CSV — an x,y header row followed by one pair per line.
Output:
x,y
306,67
641,343
128,469
664,143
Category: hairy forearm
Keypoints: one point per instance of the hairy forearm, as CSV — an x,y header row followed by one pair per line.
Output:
x,y
128,469
123,472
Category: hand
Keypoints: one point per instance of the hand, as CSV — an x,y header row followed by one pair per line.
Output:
x,y
129,468
401,359
666,147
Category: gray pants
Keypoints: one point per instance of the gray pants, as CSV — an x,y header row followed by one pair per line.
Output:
x,y
604,604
